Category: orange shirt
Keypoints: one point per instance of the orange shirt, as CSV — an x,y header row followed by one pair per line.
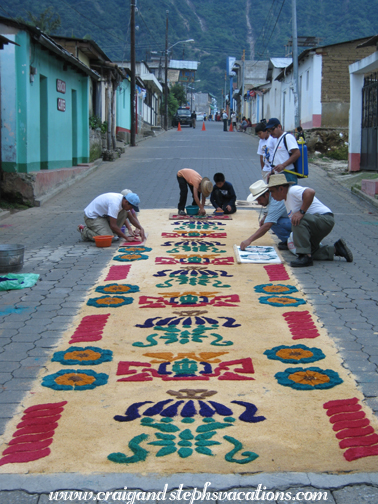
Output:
x,y
191,176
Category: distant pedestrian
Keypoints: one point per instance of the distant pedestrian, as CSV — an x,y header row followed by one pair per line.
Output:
x,y
194,118
265,150
223,197
225,120
300,133
311,222
233,120
286,151
198,186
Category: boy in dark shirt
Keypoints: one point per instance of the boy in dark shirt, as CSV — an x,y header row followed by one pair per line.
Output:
x,y
223,196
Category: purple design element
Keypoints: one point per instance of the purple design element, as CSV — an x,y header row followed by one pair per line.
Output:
x,y
249,413
171,411
155,410
187,321
131,413
188,410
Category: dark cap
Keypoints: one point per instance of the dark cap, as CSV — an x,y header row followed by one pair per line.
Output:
x,y
272,123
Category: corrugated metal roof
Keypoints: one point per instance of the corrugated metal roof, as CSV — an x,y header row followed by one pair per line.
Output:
x,y
281,62
183,65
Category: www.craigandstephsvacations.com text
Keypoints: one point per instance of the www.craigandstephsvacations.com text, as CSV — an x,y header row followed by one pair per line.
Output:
x,y
189,495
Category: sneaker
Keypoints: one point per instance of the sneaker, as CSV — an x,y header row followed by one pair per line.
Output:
x,y
80,228
282,246
181,212
302,261
342,250
115,238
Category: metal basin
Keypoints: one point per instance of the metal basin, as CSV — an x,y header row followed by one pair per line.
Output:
x,y
11,258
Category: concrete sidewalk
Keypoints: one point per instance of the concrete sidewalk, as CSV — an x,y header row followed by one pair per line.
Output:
x,y
345,295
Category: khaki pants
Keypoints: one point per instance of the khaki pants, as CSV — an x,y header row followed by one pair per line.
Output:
x,y
100,226
310,232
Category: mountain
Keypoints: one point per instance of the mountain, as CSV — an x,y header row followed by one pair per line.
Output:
x,y
220,28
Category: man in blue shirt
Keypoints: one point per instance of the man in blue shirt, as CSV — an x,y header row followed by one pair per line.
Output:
x,y
223,197
275,219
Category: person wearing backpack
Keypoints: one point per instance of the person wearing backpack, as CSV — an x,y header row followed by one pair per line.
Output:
x,y
286,151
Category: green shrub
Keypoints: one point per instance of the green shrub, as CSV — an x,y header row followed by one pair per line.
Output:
x,y
340,154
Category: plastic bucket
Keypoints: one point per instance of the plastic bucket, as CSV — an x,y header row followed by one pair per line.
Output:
x,y
11,258
103,240
192,210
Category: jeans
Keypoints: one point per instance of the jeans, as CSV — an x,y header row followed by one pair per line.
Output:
x,y
184,193
282,229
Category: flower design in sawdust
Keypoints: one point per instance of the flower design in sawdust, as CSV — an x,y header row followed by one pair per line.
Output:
x,y
134,256
133,249
296,354
308,379
88,356
275,289
283,301
109,301
75,379
117,289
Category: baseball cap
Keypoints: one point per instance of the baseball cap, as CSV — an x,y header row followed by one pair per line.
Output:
x,y
133,199
272,123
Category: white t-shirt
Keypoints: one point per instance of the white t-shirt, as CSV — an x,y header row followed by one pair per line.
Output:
x,y
266,149
294,202
281,154
109,204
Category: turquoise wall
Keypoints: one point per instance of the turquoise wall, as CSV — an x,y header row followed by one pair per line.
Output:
x,y
123,120
41,135
8,96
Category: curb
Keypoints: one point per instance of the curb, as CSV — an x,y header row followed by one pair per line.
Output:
x,y
365,197
4,214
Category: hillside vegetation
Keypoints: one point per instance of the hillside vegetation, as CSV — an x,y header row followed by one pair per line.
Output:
x,y
220,28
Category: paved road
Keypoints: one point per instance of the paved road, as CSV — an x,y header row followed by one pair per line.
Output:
x,y
345,296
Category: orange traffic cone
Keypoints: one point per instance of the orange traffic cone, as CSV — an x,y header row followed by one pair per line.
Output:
x,y
203,126
179,127
231,128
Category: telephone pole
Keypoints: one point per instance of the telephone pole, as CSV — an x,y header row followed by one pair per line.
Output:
x,y
166,77
297,118
132,64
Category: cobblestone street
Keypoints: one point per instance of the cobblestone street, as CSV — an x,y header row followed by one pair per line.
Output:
x,y
344,296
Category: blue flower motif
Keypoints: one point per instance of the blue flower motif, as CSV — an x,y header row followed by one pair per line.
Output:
x,y
282,302
75,379
88,356
308,378
275,289
295,354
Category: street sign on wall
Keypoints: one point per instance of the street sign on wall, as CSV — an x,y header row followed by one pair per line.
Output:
x,y
60,86
61,105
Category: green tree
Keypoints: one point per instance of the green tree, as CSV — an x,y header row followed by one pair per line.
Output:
x,y
178,91
173,105
48,21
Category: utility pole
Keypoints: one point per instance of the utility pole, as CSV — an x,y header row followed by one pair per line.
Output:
x,y
166,77
225,92
132,63
242,92
297,118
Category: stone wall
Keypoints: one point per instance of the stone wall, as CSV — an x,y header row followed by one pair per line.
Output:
x,y
95,145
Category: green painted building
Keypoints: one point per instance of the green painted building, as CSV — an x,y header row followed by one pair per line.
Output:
x,y
44,102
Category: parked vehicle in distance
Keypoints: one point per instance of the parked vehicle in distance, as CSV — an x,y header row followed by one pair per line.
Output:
x,y
183,116
199,116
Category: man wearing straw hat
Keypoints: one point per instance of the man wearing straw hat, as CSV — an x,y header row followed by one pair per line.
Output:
x,y
311,220
276,218
198,185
